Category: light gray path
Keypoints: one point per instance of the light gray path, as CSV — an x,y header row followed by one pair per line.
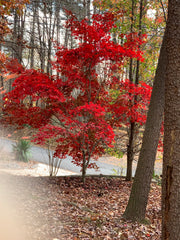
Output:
x,y
39,154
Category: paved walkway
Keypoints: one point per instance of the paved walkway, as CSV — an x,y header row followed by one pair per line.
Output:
x,y
107,165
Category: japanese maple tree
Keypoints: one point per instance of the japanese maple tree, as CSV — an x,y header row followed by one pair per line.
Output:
x,y
75,104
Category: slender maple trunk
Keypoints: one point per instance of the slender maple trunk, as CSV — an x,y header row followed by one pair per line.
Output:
x,y
171,159
136,207
84,168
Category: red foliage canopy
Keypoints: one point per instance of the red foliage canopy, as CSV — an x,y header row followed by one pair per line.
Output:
x,y
73,109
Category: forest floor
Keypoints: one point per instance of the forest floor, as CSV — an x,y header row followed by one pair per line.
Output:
x,y
61,208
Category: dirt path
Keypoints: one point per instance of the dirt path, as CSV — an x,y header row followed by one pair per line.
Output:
x,y
30,199
28,204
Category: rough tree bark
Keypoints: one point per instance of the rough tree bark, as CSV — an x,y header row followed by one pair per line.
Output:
x,y
171,160
136,207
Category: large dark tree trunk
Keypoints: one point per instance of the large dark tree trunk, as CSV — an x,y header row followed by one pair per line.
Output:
x,y
171,160
136,207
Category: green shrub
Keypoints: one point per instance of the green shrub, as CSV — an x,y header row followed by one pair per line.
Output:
x,y
114,152
21,150
157,178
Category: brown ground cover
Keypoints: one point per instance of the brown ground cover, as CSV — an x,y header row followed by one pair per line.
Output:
x,y
62,208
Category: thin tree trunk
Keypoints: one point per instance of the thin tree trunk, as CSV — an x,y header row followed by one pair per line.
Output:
x,y
1,83
88,4
133,126
66,38
21,33
130,152
136,207
130,146
33,36
15,34
2,88
50,27
171,159
84,168
139,35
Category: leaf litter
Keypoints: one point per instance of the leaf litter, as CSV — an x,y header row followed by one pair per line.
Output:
x,y
62,208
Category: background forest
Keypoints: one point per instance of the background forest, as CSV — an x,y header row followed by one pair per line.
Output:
x,y
35,32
